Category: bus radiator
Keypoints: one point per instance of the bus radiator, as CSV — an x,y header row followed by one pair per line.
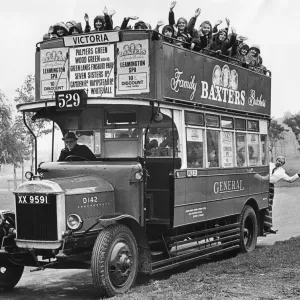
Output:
x,y
36,221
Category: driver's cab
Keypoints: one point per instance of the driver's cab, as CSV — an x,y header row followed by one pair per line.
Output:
x,y
119,131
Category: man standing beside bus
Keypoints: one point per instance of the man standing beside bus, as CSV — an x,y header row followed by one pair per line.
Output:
x,y
78,152
276,173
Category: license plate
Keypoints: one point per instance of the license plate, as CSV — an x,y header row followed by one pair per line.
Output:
x,y
32,199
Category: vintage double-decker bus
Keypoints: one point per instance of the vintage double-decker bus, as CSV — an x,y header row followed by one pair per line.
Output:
x,y
178,138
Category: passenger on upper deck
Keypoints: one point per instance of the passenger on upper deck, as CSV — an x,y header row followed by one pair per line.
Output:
x,y
180,26
204,36
101,23
239,51
252,58
59,30
73,149
75,29
125,22
70,23
167,32
221,44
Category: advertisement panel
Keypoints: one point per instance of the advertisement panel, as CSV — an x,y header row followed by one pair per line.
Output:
x,y
92,69
208,81
133,67
53,71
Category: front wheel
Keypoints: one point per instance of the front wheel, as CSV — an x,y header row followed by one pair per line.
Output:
x,y
248,230
10,275
114,261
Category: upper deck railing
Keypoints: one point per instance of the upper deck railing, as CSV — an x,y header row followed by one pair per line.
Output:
x,y
130,64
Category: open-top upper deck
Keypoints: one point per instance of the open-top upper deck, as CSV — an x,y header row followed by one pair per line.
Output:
x,y
131,65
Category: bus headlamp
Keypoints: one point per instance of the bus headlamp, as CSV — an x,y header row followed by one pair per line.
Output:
x,y
138,176
74,222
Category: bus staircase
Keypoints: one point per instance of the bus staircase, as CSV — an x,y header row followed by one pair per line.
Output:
x,y
189,247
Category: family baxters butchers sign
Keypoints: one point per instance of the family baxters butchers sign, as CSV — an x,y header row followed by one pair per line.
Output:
x,y
192,77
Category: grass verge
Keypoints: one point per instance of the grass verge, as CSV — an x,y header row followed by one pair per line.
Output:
x,y
271,272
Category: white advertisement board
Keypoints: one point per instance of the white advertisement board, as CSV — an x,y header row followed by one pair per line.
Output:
x,y
92,69
133,67
53,71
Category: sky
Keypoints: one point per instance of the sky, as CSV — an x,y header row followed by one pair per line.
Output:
x,y
272,24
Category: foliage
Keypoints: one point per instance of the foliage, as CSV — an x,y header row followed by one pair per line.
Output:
x,y
25,94
276,133
5,121
12,146
294,123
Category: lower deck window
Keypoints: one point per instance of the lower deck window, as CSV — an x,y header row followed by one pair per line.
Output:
x,y
194,147
213,148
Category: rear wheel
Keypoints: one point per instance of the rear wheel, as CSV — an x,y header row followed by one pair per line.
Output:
x,y
248,230
114,260
10,275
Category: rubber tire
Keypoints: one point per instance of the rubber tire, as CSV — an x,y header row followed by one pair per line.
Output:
x,y
248,215
10,277
100,259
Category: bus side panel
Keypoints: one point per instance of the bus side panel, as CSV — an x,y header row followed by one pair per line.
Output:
x,y
216,193
190,199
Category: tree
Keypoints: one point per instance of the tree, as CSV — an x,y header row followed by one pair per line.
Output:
x,y
25,94
5,121
15,150
276,133
294,123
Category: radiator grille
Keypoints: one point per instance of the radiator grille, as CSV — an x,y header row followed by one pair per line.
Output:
x,y
36,221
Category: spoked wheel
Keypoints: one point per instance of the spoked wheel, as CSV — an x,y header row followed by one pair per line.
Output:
x,y
248,230
114,260
10,275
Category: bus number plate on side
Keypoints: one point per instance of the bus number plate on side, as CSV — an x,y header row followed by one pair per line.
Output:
x,y
32,199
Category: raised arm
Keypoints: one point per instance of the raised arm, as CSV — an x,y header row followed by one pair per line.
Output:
x,y
126,21
192,22
290,178
87,25
232,39
155,35
171,14
108,18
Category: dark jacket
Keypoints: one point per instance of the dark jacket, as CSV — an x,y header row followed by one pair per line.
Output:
x,y
200,41
239,58
107,24
78,150
223,46
186,31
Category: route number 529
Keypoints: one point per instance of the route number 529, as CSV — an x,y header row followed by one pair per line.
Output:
x,y
70,100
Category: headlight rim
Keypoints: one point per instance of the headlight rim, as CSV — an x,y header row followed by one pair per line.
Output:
x,y
80,222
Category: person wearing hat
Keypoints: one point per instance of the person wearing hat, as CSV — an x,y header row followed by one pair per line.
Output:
x,y
167,32
74,149
252,58
75,29
222,44
60,30
101,22
276,173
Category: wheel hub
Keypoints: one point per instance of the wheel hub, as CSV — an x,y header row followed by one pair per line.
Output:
x,y
120,264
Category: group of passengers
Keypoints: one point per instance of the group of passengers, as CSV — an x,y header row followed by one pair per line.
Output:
x,y
208,39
